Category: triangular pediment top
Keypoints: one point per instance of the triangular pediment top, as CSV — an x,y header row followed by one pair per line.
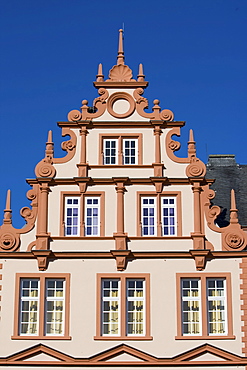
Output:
x,y
207,352
42,357
39,351
125,357
123,351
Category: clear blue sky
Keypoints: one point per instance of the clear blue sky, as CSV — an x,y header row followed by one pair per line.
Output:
x,y
194,54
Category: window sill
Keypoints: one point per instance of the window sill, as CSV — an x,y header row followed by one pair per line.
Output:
x,y
123,338
38,337
203,337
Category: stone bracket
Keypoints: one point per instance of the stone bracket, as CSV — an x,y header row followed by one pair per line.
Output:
x,y
82,182
198,240
82,169
42,241
200,257
158,183
158,169
42,257
121,257
120,241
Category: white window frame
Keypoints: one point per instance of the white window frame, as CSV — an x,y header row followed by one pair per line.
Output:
x,y
110,299
135,156
136,299
189,299
169,206
110,156
29,299
87,217
217,298
148,217
54,299
72,206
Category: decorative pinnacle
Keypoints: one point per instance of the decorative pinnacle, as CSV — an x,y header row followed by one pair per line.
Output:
x,y
140,76
49,139
100,76
120,57
7,211
49,146
233,210
191,145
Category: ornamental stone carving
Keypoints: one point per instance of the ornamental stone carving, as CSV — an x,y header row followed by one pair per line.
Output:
x,y
99,107
8,240
120,72
196,168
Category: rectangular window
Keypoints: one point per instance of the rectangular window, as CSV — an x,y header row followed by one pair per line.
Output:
x,y
42,306
92,216
149,211
135,307
168,216
130,151
159,214
123,149
216,301
191,306
54,311
82,214
110,306
205,306
72,216
124,306
110,151
29,306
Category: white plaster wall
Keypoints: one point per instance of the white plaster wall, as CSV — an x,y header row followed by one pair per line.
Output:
x,y
83,245
164,244
93,141
26,239
173,169
213,237
69,169
83,305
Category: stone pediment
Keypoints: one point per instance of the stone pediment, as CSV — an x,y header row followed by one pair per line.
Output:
x,y
124,354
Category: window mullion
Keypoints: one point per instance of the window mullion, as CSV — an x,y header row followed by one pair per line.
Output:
x,y
123,313
42,306
204,316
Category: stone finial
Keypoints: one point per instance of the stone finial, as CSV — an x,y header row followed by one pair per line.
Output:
x,y
8,212
233,210
49,146
140,76
120,57
100,76
191,145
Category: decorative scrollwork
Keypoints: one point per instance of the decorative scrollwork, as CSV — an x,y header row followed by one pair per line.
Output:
x,y
45,169
196,168
234,240
27,213
214,212
68,145
8,241
167,115
74,115
31,194
211,194
174,145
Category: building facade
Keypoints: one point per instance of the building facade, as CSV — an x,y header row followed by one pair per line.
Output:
x,y
120,263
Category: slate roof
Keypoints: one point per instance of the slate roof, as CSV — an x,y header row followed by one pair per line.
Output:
x,y
228,175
